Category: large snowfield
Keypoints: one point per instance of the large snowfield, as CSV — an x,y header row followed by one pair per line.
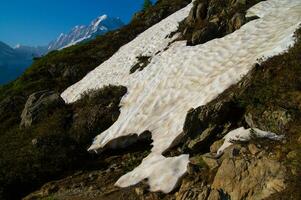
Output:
x,y
179,78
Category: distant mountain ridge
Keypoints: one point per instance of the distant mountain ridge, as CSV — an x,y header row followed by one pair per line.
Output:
x,y
99,26
13,61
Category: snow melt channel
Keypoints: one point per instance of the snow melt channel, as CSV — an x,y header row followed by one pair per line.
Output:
x,y
179,78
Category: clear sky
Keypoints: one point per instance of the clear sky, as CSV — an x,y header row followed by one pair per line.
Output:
x,y
37,22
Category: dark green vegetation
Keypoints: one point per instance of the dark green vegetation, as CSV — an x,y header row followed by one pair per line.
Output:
x,y
57,142
147,4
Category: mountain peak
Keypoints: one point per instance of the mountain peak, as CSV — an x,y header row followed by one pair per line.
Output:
x,y
80,33
100,19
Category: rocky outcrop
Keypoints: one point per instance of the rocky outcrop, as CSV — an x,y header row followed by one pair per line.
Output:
x,y
38,105
210,19
239,174
249,177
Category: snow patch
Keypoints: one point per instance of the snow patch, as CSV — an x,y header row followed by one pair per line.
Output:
x,y
99,20
244,135
180,78
162,173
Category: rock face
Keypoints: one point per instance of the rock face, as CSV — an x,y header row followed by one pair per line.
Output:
x,y
237,175
257,177
37,105
210,19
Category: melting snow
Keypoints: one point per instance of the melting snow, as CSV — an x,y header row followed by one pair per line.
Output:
x,y
179,78
244,135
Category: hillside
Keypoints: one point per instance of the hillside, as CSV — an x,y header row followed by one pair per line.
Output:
x,y
55,72
14,61
189,101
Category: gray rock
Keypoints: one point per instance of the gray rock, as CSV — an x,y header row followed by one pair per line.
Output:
x,y
191,17
237,21
201,11
201,139
38,104
249,120
207,33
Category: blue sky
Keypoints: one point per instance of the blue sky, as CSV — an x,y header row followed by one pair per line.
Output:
x,y
37,22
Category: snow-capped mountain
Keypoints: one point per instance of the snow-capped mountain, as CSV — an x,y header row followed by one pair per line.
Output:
x,y
13,61
99,26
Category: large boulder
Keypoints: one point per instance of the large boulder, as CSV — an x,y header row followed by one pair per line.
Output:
x,y
239,174
257,177
209,32
38,105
